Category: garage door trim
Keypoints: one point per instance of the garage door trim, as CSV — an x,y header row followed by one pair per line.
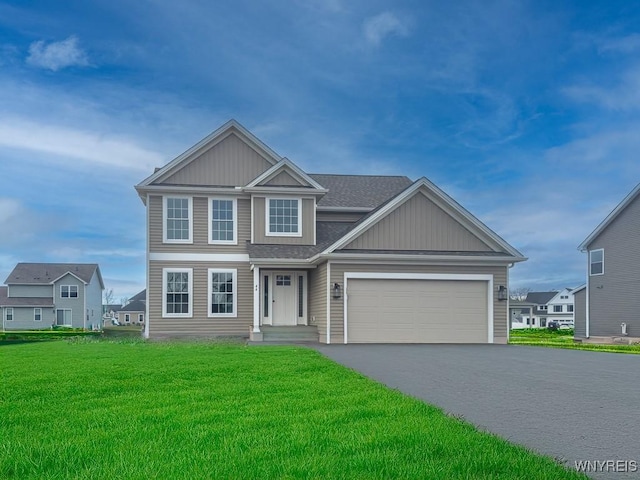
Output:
x,y
422,276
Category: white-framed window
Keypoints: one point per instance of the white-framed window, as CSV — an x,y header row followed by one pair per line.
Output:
x,y
542,307
177,288
177,219
8,314
140,317
37,314
557,308
64,317
223,226
127,317
596,262
223,292
570,308
68,291
284,217
564,297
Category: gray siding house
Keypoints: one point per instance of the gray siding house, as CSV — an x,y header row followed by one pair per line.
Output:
x,y
42,295
611,300
242,242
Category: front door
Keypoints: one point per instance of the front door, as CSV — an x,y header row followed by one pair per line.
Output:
x,y
284,299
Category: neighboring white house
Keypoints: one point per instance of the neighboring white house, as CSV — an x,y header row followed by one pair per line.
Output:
x,y
540,308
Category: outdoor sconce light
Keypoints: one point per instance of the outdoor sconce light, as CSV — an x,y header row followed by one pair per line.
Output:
x,y
502,292
337,290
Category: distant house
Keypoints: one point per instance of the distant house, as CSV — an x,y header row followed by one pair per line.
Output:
x,y
110,313
41,295
611,299
539,308
135,310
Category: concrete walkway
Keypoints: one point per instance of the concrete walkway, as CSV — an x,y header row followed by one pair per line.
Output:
x,y
568,404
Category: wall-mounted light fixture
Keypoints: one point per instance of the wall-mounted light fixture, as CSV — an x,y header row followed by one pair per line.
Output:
x,y
502,292
337,290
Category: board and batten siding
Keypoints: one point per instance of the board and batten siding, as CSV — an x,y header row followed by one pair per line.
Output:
x,y
613,296
230,162
419,224
259,223
31,291
580,313
500,316
200,324
284,179
317,310
200,228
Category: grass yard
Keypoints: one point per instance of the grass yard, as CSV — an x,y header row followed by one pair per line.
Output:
x,y
135,410
543,337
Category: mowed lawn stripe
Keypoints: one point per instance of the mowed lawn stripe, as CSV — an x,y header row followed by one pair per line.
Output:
x,y
101,409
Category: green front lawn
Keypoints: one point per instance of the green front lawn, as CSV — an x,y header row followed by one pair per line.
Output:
x,y
136,410
563,339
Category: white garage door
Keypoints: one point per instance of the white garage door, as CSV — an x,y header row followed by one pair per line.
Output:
x,y
416,311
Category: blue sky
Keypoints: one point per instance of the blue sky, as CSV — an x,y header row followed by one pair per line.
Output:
x,y
527,113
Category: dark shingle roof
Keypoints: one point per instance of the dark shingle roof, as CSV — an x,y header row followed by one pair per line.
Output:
x,y
365,191
139,296
135,306
540,298
6,301
113,307
45,273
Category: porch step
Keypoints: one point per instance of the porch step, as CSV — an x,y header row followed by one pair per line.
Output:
x,y
299,333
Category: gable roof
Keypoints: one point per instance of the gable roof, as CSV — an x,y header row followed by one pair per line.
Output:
x,y
139,296
610,218
285,165
135,306
423,183
362,192
540,298
184,158
47,273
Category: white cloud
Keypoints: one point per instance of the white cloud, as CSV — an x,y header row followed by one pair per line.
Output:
x,y
376,28
624,96
57,55
72,144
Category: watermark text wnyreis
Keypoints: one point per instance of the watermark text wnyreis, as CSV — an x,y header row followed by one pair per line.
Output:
x,y
607,466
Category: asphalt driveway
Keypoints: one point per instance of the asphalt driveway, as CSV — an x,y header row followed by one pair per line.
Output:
x,y
572,405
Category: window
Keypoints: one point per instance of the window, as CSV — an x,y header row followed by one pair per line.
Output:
x,y
64,317
557,308
222,227
37,314
283,280
564,297
222,292
596,262
8,314
266,296
140,317
177,219
283,217
176,295
542,307
69,291
543,322
127,317
570,308
300,296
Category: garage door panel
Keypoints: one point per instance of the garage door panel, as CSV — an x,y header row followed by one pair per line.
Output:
x,y
416,311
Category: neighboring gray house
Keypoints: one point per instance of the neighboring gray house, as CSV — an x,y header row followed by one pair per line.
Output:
x,y
242,242
611,298
134,311
40,295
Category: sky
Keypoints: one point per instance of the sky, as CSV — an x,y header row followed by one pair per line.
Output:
x,y
526,112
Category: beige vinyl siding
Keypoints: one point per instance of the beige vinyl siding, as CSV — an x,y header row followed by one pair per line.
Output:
x,y
200,325
30,290
200,218
613,296
348,217
580,313
259,223
317,310
419,224
500,319
284,179
230,162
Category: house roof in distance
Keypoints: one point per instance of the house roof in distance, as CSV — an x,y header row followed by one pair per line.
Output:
x,y
135,306
139,296
6,301
540,298
47,273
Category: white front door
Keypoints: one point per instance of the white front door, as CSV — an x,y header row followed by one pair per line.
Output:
x,y
284,299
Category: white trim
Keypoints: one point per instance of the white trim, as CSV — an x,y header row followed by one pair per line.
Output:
x,y
55,320
315,221
6,314
508,303
234,280
164,292
234,207
125,317
587,295
197,257
428,259
590,262
253,225
55,280
34,314
305,295
146,305
425,276
281,167
345,209
256,300
267,223
69,286
164,218
328,293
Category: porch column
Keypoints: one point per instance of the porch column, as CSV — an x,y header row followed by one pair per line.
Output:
x,y
256,300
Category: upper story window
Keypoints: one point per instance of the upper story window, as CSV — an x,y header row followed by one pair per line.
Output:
x,y
177,288
68,291
222,221
283,217
177,216
570,308
542,307
596,262
557,308
564,297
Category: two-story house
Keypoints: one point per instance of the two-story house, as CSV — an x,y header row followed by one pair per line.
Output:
x,y
540,308
608,305
42,295
242,242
